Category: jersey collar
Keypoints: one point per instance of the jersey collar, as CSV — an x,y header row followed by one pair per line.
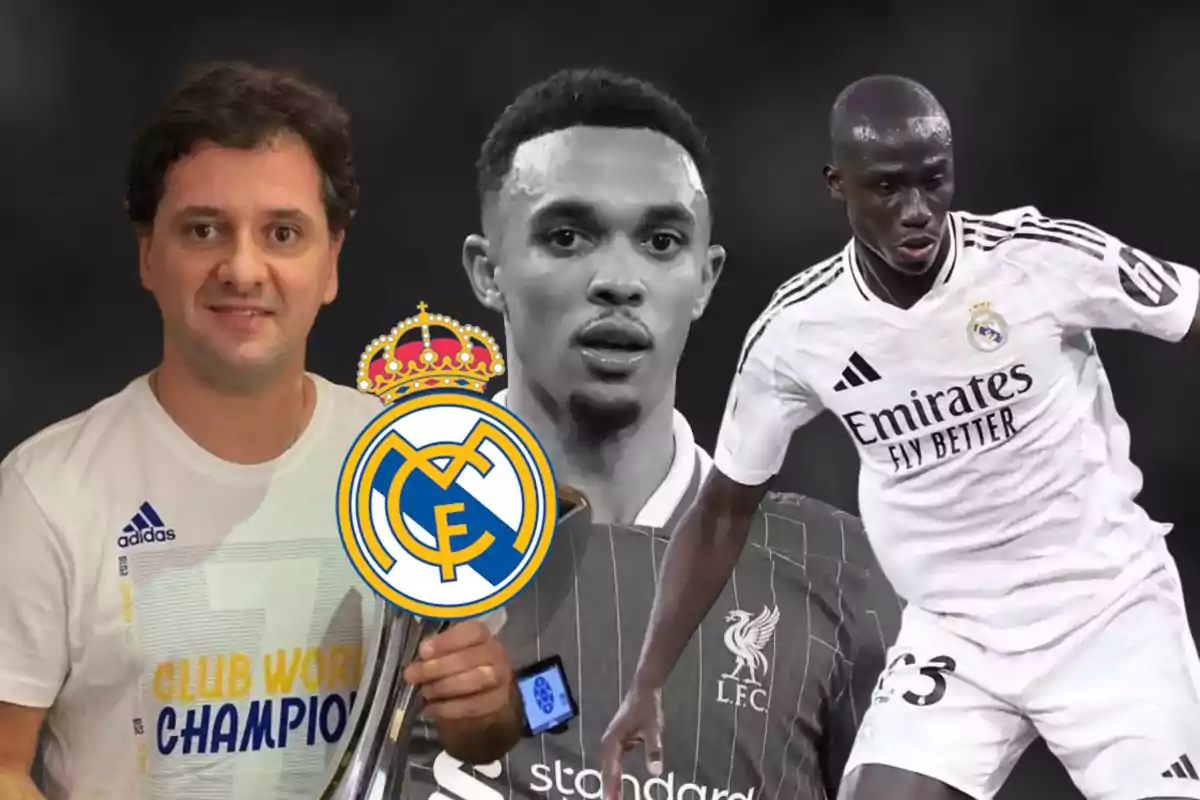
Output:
x,y
688,468
945,272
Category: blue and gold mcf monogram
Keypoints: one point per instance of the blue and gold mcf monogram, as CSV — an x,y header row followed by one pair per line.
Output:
x,y
447,503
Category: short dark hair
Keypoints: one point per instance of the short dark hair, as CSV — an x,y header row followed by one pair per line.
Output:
x,y
878,100
233,104
591,97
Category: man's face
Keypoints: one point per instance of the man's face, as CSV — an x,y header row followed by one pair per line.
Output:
x,y
599,242
240,259
897,187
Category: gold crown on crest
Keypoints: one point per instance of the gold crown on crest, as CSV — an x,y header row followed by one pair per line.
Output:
x,y
401,363
981,308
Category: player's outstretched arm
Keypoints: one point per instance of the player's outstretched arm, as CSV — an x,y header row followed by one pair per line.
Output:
x,y
767,403
699,561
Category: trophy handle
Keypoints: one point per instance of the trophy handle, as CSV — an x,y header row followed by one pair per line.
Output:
x,y
373,754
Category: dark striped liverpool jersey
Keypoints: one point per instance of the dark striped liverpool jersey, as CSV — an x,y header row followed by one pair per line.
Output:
x,y
762,706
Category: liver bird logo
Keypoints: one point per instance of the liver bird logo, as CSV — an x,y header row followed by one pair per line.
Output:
x,y
746,637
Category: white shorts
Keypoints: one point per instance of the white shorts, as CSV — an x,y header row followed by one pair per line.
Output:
x,y
1118,702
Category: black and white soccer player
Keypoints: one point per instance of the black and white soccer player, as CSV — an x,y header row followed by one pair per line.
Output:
x,y
996,481
596,250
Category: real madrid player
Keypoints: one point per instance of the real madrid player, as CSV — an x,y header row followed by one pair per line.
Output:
x,y
996,481
596,250
175,603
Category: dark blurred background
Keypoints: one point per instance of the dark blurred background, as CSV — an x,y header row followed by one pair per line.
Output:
x,y
1091,116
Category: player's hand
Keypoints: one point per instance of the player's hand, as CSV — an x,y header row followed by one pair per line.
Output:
x,y
463,673
639,719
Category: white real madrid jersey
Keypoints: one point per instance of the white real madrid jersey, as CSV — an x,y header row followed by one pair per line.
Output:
x,y
194,626
995,481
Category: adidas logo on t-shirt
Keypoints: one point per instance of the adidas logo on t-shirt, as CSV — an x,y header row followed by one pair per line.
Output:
x,y
146,527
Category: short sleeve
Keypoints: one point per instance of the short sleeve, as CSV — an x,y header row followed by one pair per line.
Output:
x,y
33,599
765,406
1101,282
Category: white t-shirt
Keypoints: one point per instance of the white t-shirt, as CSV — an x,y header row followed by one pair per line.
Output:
x,y
194,626
995,483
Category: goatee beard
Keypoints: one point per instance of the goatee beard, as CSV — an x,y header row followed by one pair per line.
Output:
x,y
597,422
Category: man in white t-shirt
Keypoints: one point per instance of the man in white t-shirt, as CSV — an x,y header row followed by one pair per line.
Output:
x,y
996,484
177,613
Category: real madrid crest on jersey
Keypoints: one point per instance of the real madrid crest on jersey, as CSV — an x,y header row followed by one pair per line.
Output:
x,y
447,503
986,330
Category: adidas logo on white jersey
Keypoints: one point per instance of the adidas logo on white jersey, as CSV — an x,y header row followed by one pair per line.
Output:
x,y
145,527
856,373
1182,768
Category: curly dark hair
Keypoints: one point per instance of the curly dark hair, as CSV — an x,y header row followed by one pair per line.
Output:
x,y
593,97
233,104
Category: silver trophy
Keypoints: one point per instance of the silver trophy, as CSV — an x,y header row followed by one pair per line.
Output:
x,y
372,756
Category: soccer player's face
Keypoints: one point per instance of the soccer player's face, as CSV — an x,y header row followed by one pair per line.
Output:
x,y
897,188
240,258
602,263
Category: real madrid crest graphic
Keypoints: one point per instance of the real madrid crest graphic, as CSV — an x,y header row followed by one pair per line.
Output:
x,y
986,330
447,504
